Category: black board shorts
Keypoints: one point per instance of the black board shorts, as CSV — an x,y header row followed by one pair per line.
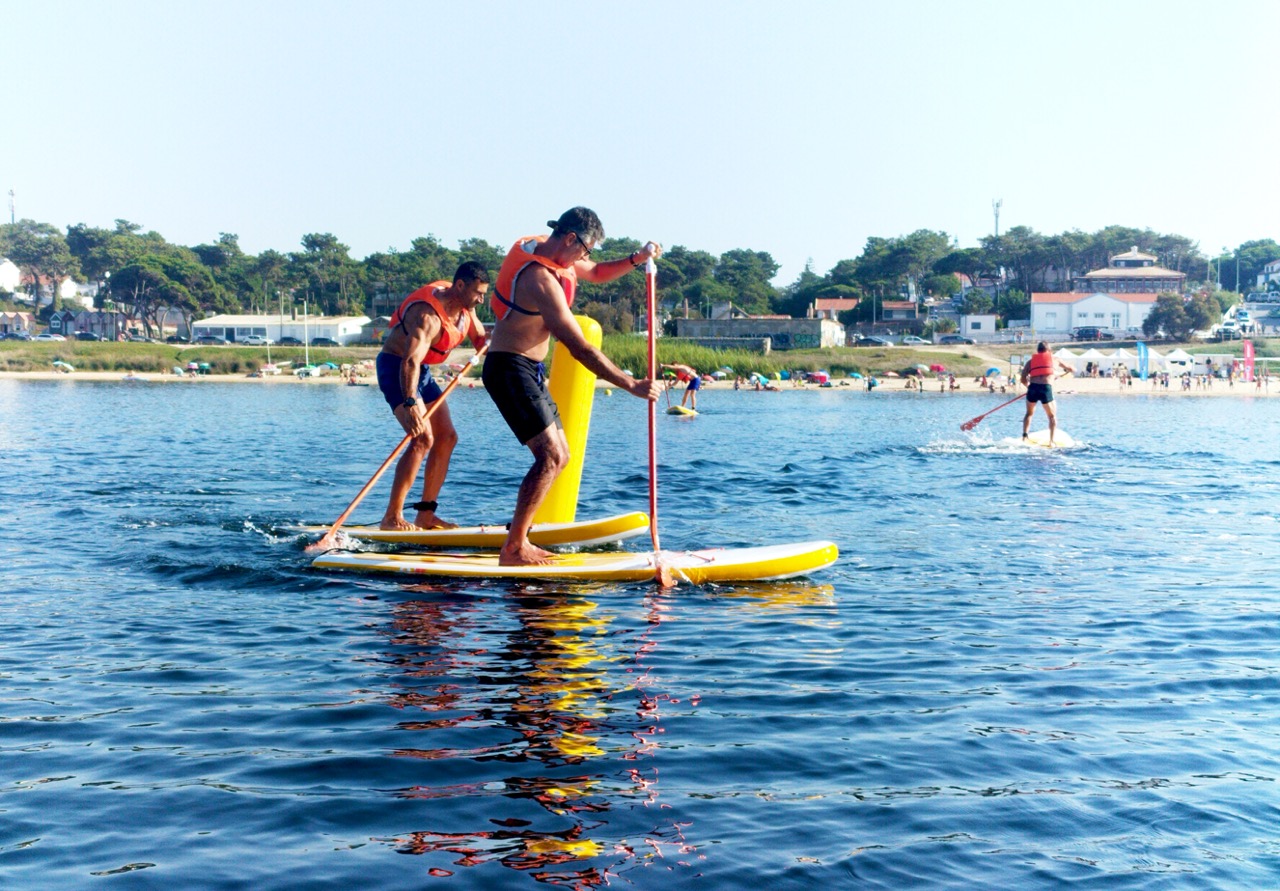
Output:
x,y
518,386
1039,393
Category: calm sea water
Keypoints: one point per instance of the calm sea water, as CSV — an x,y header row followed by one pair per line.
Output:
x,y
1029,669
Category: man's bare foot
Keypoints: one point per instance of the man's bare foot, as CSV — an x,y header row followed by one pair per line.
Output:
x,y
428,520
397,524
524,555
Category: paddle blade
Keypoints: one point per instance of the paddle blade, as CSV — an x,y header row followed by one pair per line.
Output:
x,y
970,424
661,574
326,542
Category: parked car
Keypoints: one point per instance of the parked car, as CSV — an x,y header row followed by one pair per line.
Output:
x,y
955,338
256,340
324,341
17,335
139,338
1090,332
210,339
48,335
289,341
173,338
912,340
873,340
88,335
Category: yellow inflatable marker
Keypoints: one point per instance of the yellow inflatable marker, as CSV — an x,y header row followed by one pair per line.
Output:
x,y
573,388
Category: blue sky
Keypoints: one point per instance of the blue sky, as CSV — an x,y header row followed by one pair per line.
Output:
x,y
798,128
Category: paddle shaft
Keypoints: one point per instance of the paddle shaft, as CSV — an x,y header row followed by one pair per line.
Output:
x,y
326,539
651,289
970,424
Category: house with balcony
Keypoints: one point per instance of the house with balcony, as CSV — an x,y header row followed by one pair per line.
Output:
x,y
1116,299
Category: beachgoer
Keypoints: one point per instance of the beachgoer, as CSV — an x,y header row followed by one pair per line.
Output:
x,y
531,301
685,374
1037,377
429,323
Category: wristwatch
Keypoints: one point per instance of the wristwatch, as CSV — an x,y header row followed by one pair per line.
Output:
x,y
410,402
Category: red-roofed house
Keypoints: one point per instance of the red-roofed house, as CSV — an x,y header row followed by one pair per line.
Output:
x,y
1060,313
1116,299
831,307
899,310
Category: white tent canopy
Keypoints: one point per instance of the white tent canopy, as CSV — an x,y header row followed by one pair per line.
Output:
x,y
1120,357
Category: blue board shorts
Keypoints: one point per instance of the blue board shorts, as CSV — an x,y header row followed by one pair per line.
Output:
x,y
388,367
695,383
518,387
1039,393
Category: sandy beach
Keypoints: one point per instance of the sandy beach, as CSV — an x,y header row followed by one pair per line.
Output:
x,y
1083,386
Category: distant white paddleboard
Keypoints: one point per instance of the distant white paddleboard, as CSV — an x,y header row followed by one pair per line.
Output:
x,y
1061,439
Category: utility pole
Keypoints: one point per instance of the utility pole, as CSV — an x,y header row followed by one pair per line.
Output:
x,y
995,208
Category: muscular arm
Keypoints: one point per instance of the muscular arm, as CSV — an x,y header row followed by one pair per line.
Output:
x,y
423,326
548,298
600,273
476,332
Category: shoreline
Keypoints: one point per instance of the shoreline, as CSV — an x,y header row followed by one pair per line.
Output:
x,y
1062,387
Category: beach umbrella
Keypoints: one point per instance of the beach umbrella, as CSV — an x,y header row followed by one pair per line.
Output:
x,y
993,372
890,374
855,374
727,369
328,365
923,369
63,366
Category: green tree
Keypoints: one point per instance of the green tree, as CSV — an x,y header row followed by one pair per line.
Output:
x,y
1253,255
1168,315
40,250
747,274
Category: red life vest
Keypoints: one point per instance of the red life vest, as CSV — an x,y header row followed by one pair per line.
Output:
x,y
521,255
450,333
1041,364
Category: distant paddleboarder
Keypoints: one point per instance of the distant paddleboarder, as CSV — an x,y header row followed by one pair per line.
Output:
x,y
686,375
1037,377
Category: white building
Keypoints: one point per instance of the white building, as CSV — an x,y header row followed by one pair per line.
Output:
x,y
343,329
1061,313
1270,274
10,276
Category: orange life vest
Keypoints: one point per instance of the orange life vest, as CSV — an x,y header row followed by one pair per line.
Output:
x,y
1041,364
450,333
520,256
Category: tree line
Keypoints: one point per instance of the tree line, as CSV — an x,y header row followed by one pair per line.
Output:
x,y
141,272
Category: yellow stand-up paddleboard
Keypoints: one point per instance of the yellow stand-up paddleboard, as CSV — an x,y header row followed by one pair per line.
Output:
x,y
682,411
584,533
694,567
1061,440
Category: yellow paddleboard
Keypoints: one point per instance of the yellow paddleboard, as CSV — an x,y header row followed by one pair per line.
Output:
x,y
695,567
585,533
681,410
1040,438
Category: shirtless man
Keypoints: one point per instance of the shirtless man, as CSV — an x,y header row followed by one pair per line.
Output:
x,y
1037,377
685,374
428,325
532,300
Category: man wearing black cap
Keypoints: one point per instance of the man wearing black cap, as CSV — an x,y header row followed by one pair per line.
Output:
x,y
532,299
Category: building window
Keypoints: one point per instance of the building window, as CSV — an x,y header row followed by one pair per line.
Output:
x,y
1115,320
